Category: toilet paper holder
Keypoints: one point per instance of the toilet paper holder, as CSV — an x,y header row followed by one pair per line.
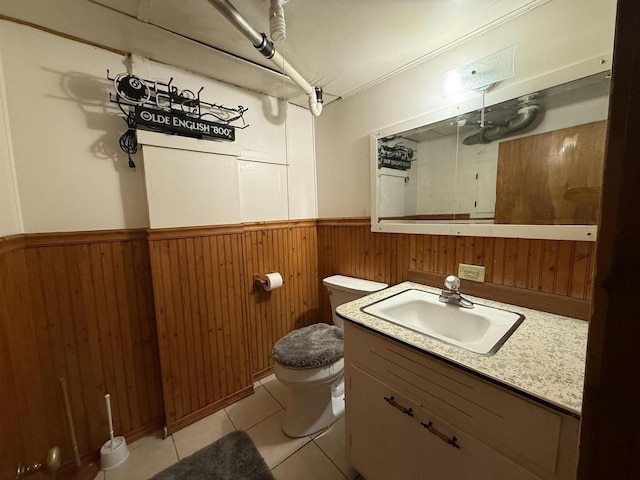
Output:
x,y
260,280
268,281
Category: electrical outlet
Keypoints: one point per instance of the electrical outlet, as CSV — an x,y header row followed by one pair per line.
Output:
x,y
474,273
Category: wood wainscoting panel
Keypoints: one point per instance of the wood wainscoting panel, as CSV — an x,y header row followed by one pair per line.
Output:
x,y
15,344
199,284
82,310
560,267
561,270
550,275
349,247
290,248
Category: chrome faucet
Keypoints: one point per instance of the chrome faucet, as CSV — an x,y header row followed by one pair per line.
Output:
x,y
452,293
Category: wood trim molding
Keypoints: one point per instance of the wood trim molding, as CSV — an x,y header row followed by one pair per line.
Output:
x,y
173,233
208,410
547,302
609,440
192,232
34,240
262,373
11,243
47,239
143,431
275,225
343,222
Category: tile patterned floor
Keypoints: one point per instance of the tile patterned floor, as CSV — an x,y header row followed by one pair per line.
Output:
x,y
317,457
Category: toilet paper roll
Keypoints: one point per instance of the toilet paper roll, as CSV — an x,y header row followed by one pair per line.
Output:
x,y
273,281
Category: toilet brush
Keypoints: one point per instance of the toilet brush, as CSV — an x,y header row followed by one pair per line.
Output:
x,y
114,452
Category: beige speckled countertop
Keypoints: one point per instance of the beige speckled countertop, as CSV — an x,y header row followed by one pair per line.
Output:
x,y
544,357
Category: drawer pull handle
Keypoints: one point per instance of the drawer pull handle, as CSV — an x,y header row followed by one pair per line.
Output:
x,y
391,401
453,441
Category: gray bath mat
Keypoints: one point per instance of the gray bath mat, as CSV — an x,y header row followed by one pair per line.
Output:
x,y
233,457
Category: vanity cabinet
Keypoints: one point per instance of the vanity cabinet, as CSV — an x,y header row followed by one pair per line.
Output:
x,y
412,416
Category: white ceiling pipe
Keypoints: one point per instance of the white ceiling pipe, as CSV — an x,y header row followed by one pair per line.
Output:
x,y
266,48
277,23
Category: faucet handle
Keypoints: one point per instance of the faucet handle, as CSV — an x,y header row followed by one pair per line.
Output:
x,y
452,283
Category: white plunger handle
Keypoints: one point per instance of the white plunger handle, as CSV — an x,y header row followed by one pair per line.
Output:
x,y
72,430
107,399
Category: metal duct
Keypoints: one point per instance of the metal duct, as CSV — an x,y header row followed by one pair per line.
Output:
x,y
526,115
266,48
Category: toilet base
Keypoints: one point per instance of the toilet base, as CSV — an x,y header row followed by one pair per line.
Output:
x,y
312,409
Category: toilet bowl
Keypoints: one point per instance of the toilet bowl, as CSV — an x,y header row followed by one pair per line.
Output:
x,y
309,361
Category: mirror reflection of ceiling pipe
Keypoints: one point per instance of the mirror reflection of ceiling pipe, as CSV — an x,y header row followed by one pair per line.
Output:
x,y
525,116
266,48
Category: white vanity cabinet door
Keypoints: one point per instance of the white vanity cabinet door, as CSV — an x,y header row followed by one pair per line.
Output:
x,y
387,439
384,442
539,439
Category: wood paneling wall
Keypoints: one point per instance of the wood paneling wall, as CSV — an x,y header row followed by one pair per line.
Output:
x,y
348,247
562,269
80,306
216,328
13,289
198,280
291,249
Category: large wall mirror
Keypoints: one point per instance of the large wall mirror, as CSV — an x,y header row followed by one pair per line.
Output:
x,y
529,166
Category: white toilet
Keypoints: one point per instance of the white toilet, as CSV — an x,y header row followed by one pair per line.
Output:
x,y
310,362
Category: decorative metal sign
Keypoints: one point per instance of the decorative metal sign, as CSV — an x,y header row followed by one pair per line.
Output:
x,y
182,124
160,106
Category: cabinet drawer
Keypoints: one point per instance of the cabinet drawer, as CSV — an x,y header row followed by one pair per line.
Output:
x,y
525,431
388,438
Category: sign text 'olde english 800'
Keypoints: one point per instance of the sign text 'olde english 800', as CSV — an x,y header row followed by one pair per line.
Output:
x,y
182,124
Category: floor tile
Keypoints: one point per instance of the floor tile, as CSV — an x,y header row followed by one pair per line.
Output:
x,y
279,391
252,409
145,461
309,463
331,442
202,433
145,439
272,443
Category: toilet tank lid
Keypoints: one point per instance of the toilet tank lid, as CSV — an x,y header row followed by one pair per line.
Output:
x,y
353,285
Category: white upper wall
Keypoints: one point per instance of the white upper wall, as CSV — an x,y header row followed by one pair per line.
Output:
x,y
551,37
267,174
72,175
10,218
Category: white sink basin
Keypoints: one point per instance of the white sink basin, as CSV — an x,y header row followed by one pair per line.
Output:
x,y
480,329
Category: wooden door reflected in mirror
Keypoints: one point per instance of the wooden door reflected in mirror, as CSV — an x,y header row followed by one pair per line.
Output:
x,y
552,178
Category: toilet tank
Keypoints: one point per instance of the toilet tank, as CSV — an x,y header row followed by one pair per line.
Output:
x,y
343,289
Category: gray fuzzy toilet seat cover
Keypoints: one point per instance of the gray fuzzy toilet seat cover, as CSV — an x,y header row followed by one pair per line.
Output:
x,y
310,347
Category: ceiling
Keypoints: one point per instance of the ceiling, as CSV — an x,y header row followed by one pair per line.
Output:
x,y
342,46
